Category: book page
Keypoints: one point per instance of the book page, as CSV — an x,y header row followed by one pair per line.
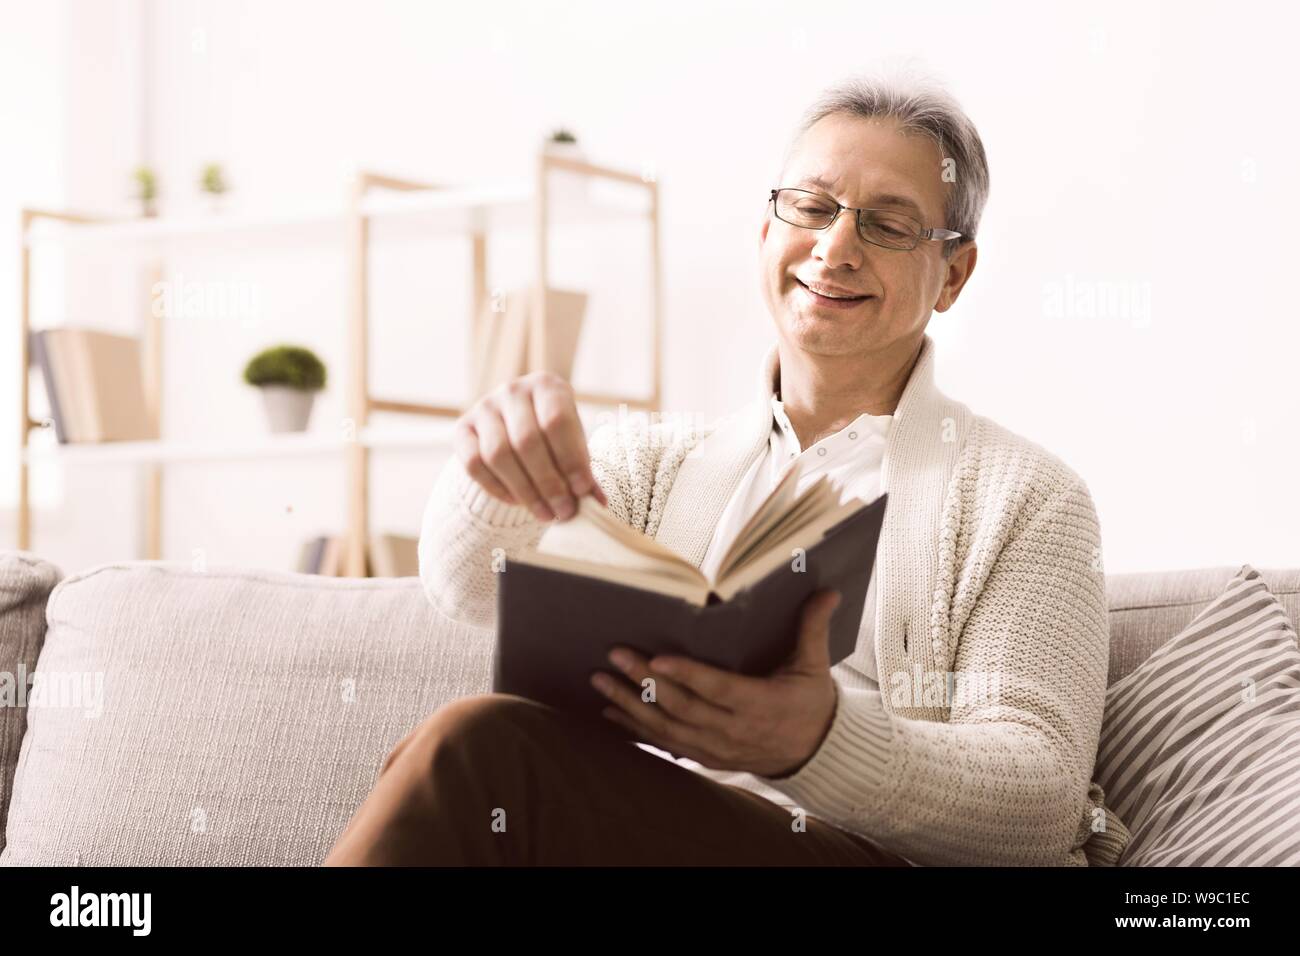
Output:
x,y
821,496
776,503
694,592
594,537
778,552
779,513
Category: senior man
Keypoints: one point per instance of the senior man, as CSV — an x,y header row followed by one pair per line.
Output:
x,y
963,728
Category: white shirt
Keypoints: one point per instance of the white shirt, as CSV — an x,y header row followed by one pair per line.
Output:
x,y
851,458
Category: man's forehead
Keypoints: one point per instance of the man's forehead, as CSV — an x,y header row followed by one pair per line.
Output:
x,y
829,158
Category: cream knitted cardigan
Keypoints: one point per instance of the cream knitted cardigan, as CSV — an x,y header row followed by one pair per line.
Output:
x,y
989,563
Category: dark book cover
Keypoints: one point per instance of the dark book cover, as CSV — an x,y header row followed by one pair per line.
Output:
x,y
555,628
38,347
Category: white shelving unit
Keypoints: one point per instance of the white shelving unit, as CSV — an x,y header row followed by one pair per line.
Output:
x,y
422,212
299,445
374,205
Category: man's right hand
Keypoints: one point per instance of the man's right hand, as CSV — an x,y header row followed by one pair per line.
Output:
x,y
523,442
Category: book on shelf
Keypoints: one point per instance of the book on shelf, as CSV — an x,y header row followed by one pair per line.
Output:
x,y
389,556
309,555
331,562
501,336
322,554
394,556
94,383
593,582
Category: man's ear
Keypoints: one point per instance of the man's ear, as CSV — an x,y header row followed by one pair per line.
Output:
x,y
959,269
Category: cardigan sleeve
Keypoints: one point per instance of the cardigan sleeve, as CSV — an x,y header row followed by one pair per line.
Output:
x,y
1005,781
466,533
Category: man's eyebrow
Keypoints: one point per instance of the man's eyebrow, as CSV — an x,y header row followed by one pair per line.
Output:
x,y
814,181
883,199
890,200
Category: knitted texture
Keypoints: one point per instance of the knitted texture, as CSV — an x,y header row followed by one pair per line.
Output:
x,y
991,626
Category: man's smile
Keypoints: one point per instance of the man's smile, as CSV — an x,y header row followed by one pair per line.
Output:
x,y
837,301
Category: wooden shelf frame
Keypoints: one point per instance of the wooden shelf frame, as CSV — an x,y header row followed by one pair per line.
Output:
x,y
359,213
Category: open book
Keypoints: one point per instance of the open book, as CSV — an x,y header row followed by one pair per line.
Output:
x,y
597,544
593,582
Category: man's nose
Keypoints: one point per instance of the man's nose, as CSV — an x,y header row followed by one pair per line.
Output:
x,y
839,243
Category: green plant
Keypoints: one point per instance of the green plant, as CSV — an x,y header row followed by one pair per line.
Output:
x,y
562,135
148,183
289,365
213,180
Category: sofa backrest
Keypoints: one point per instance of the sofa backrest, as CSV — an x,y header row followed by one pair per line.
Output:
x,y
1148,608
229,717
244,714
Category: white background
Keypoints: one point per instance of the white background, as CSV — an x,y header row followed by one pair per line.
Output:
x,y
1144,148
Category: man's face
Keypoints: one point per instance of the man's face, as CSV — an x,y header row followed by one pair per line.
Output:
x,y
859,161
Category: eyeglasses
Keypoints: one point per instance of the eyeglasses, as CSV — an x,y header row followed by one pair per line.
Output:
x,y
880,227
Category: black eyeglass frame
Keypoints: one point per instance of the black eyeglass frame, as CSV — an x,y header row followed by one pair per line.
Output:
x,y
932,233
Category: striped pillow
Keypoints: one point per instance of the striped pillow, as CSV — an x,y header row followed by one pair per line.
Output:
x,y
1198,753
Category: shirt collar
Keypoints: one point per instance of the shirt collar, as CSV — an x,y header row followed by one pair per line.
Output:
x,y
861,430
864,426
880,422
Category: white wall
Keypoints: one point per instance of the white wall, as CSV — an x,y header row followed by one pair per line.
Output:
x,y
1138,150
33,125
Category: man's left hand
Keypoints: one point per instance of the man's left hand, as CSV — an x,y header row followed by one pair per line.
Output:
x,y
769,726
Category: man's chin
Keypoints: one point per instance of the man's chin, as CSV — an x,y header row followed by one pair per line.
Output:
x,y
823,334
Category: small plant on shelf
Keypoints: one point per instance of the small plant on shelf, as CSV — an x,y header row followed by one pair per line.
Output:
x,y
213,182
289,377
562,135
146,190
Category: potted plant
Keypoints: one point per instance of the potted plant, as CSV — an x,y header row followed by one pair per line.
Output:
x,y
561,142
213,182
147,190
565,184
289,377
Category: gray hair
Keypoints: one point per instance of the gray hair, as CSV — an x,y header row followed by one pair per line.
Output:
x,y
920,105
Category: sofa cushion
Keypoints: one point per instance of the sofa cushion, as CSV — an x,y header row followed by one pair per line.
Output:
x,y
1148,608
25,584
1197,753
245,714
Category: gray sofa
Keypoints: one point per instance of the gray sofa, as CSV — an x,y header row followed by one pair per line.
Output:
x,y
239,717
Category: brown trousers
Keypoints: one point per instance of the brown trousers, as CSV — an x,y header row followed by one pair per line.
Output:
x,y
498,779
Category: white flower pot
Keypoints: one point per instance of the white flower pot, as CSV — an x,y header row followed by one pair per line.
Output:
x,y
287,408
566,187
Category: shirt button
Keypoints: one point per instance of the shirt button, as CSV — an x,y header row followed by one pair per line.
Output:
x,y
822,450
853,434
